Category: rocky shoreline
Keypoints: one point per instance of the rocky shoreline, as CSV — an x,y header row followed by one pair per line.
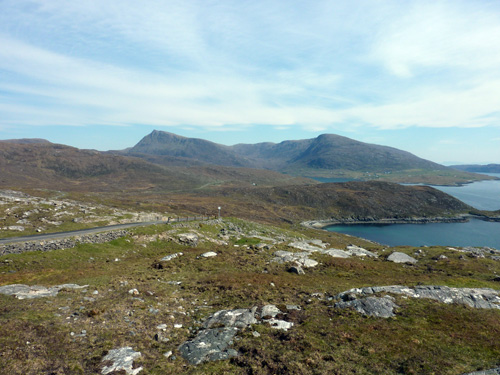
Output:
x,y
463,218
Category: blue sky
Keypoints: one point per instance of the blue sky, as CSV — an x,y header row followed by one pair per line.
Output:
x,y
422,76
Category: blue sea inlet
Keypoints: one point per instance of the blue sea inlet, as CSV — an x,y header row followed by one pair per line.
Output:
x,y
484,195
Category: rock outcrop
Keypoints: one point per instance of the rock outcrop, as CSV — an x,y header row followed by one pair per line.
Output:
x,y
362,300
381,307
398,257
213,342
21,291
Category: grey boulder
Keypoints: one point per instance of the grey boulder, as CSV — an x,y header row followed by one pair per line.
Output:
x,y
398,257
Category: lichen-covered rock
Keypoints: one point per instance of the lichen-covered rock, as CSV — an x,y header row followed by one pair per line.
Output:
x,y
121,359
483,298
209,345
382,307
238,318
213,341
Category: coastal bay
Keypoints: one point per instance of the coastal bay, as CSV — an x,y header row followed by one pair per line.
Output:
x,y
459,231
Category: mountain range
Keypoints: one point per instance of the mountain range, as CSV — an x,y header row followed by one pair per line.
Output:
x,y
328,155
326,152
169,162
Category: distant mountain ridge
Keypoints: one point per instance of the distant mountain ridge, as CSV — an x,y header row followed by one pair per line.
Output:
x,y
488,168
326,152
24,141
169,144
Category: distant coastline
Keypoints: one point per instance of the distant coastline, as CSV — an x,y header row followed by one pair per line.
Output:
x,y
322,224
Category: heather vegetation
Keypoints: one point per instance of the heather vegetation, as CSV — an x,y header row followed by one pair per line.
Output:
x,y
129,291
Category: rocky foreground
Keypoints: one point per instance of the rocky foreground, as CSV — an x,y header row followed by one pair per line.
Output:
x,y
238,297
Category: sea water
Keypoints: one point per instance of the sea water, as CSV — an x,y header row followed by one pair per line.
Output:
x,y
483,195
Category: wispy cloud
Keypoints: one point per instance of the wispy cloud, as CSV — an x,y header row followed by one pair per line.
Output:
x,y
318,66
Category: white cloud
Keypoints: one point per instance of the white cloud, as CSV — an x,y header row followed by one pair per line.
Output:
x,y
222,65
450,34
437,108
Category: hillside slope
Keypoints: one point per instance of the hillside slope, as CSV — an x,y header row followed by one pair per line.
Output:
x,y
359,200
59,167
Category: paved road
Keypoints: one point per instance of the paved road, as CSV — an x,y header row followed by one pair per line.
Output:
x,y
59,235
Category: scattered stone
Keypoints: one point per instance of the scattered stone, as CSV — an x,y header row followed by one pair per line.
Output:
x,y
17,228
208,254
239,318
279,324
133,292
381,307
360,252
297,270
269,311
302,245
121,359
306,262
262,246
189,239
170,257
161,337
300,259
168,354
337,253
398,257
